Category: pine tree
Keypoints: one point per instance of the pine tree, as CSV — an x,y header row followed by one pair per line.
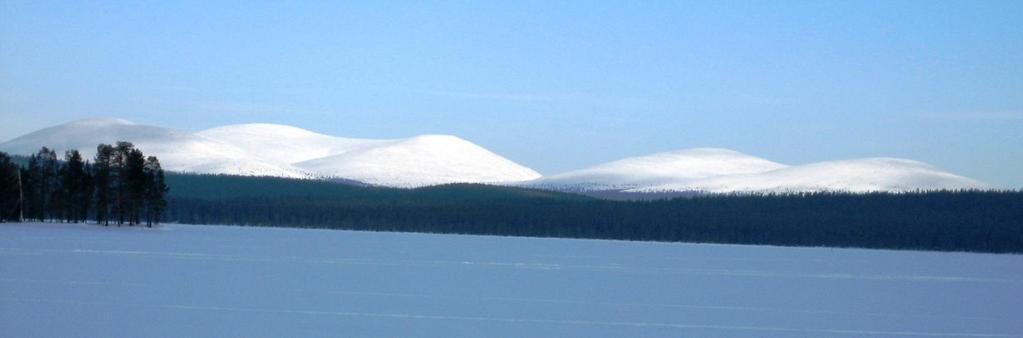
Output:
x,y
135,181
43,183
83,201
10,190
51,182
59,196
156,189
123,185
30,177
103,178
122,179
77,188
28,193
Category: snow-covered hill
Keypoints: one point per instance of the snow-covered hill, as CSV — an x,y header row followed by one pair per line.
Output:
x,y
178,150
285,151
858,175
658,169
284,144
419,161
721,170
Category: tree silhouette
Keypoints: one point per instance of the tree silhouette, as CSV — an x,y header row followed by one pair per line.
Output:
x,y
123,186
155,191
10,189
103,180
77,187
41,184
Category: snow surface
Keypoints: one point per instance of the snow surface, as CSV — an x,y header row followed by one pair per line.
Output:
x,y
285,151
185,281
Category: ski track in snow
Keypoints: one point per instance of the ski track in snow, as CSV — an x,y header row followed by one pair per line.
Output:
x,y
235,281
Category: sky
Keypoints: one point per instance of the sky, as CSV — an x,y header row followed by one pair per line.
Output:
x,y
552,85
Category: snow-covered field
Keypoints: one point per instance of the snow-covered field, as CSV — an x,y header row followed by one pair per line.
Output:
x,y
181,281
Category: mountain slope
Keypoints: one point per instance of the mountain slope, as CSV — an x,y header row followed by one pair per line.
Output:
x,y
658,169
858,175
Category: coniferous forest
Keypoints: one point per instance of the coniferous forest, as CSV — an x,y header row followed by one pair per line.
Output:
x,y
119,186
984,221
123,187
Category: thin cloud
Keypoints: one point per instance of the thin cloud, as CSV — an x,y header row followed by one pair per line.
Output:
x,y
978,116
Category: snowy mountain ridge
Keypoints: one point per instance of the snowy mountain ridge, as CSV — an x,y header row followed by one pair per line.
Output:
x,y
260,149
856,175
712,170
285,151
658,169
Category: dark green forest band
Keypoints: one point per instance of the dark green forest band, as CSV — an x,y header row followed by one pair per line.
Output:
x,y
980,221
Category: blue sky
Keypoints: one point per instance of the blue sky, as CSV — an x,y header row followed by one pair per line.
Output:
x,y
552,85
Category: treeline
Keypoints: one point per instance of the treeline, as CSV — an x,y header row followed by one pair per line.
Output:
x,y
120,185
982,221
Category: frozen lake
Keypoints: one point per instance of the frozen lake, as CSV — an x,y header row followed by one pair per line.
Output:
x,y
179,280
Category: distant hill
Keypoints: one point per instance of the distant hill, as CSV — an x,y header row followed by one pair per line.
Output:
x,y
859,175
657,169
284,151
711,170
261,149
